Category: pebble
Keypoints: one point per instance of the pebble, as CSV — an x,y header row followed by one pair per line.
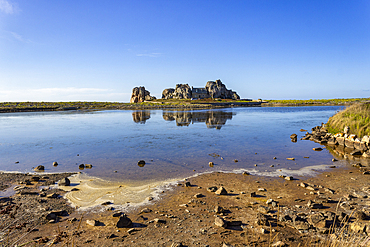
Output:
x,y
39,168
198,195
187,184
220,222
146,210
92,222
221,191
212,189
141,163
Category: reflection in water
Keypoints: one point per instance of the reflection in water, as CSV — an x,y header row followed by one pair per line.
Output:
x,y
140,116
341,152
213,119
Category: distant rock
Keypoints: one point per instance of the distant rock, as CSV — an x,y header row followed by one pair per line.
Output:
x,y
213,89
217,90
168,93
182,91
139,94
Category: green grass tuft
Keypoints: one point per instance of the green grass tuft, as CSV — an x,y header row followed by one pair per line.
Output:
x,y
357,117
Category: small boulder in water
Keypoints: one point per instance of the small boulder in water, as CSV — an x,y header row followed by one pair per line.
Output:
x,y
64,182
39,168
141,163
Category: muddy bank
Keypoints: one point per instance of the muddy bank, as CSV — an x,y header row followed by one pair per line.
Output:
x,y
254,211
28,201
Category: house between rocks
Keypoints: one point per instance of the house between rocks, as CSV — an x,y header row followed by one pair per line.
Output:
x,y
213,89
199,93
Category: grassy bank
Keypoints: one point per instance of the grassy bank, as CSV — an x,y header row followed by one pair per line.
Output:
x,y
317,101
83,105
356,116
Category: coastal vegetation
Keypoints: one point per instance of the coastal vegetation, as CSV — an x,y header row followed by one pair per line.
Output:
x,y
165,103
84,105
356,116
317,101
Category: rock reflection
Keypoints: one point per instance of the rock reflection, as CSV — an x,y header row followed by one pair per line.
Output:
x,y
341,152
140,116
213,119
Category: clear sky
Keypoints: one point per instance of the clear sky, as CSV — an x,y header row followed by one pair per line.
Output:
x,y
94,50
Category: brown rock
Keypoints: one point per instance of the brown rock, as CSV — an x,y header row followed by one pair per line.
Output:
x,y
220,222
139,94
221,191
124,222
92,222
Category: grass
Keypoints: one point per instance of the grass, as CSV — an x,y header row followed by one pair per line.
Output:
x,y
318,101
84,105
356,116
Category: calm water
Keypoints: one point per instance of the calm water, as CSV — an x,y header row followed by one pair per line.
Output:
x,y
173,143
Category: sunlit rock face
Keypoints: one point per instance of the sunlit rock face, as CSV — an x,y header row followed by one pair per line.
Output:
x,y
217,90
182,91
139,94
168,93
213,89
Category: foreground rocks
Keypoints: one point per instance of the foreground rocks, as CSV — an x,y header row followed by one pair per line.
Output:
x,y
303,211
30,207
343,144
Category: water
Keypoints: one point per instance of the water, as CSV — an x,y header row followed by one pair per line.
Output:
x,y
174,144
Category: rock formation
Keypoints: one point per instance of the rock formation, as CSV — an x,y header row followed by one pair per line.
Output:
x,y
182,91
213,89
139,94
168,93
217,90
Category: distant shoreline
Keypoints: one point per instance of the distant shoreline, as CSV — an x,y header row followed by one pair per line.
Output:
x,y
9,107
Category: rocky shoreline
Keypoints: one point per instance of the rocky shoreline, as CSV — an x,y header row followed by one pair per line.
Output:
x,y
343,144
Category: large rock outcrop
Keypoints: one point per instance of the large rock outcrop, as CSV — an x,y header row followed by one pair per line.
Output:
x,y
139,94
182,91
213,89
216,89
168,93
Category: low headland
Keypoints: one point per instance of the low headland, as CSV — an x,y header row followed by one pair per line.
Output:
x,y
330,208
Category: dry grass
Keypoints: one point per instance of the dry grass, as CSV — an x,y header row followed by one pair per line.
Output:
x,y
357,117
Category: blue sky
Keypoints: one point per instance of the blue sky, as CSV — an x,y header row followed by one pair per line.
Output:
x,y
91,50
